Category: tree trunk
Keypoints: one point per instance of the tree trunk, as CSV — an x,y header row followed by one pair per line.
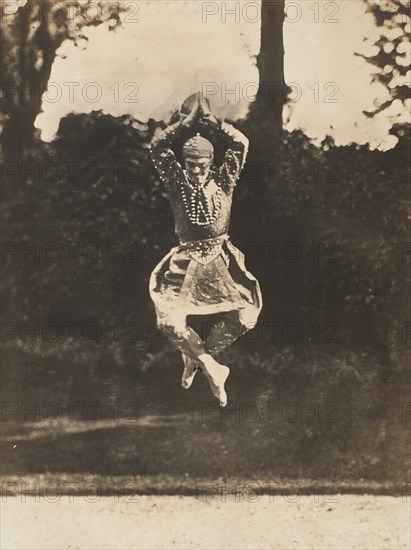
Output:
x,y
29,59
265,117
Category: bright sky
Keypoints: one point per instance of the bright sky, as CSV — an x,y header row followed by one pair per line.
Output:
x,y
165,50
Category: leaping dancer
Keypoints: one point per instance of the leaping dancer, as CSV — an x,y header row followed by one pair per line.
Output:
x,y
205,274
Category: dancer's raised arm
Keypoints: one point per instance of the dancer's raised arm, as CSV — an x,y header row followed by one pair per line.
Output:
x,y
161,151
234,140
237,140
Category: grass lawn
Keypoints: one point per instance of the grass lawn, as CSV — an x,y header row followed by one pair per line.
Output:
x,y
298,417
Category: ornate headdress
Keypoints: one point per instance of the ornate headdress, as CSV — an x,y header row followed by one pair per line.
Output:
x,y
198,147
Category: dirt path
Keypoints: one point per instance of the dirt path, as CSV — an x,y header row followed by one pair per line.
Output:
x,y
349,522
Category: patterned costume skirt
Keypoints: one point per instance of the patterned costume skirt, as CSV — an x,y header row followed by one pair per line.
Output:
x,y
204,277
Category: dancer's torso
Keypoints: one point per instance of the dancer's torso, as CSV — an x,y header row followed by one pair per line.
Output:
x,y
210,218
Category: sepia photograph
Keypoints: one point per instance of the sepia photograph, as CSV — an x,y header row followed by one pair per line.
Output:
x,y
205,275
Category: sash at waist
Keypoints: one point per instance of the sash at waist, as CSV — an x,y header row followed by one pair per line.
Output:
x,y
204,250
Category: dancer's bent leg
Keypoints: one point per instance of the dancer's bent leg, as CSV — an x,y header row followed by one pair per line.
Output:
x,y
190,369
229,329
175,327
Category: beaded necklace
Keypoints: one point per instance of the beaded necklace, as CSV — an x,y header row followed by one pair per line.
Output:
x,y
201,209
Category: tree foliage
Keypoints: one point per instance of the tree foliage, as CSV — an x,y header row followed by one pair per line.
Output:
x,y
392,57
32,31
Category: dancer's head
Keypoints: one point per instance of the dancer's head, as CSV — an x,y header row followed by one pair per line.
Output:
x,y
198,155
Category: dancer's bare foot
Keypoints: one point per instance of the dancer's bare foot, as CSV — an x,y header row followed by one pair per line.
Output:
x,y
190,369
217,375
